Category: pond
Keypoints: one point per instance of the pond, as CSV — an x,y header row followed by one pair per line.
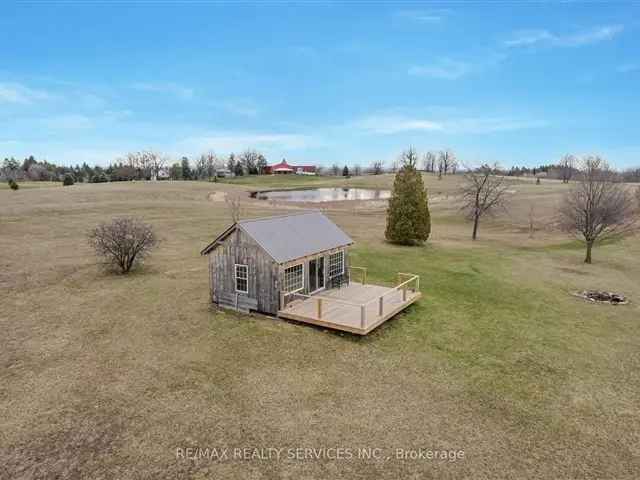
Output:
x,y
317,195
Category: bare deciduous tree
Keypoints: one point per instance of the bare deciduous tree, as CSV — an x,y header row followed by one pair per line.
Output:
x,y
454,166
158,162
249,160
234,204
446,160
597,207
377,166
124,242
409,158
483,191
566,166
147,163
430,162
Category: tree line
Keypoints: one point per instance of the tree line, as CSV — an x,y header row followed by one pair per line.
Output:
x,y
139,165
597,205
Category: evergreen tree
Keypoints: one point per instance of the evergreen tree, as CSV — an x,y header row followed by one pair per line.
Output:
x,y
345,171
186,169
175,172
408,218
231,163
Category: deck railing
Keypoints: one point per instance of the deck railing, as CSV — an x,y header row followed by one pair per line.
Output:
x,y
406,283
363,273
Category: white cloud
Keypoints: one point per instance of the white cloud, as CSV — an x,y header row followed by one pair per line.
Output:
x,y
528,38
9,143
444,68
242,108
174,89
525,38
429,16
478,125
19,94
628,68
389,124
235,141
69,121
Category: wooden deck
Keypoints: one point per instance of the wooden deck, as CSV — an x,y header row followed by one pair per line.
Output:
x,y
354,308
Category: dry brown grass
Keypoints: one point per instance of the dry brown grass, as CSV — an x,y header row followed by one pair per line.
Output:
x,y
104,376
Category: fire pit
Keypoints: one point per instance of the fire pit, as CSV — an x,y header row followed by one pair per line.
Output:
x,y
602,297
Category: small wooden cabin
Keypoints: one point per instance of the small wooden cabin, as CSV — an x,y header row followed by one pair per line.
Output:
x,y
253,262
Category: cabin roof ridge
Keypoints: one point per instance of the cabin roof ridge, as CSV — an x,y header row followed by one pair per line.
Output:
x,y
273,217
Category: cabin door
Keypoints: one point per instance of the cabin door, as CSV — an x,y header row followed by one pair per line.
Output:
x,y
316,274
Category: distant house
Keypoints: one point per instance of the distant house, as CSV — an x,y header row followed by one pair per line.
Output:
x,y
163,174
283,168
224,172
297,267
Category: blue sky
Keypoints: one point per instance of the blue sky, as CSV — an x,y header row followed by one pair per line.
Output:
x,y
517,83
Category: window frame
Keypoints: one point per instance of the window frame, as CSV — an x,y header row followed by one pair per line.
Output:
x,y
236,278
330,271
284,278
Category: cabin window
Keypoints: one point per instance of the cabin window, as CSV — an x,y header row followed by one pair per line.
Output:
x,y
336,264
293,279
242,278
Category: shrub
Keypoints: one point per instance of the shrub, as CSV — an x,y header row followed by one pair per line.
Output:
x,y
68,180
99,178
13,185
124,242
408,217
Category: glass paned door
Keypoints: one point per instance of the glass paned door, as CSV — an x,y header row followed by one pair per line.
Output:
x,y
316,274
320,269
313,276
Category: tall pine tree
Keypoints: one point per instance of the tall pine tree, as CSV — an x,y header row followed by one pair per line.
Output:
x,y
408,218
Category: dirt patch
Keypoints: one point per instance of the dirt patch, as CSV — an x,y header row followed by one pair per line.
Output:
x,y
216,196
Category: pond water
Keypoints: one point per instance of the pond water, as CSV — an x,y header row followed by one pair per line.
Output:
x,y
316,195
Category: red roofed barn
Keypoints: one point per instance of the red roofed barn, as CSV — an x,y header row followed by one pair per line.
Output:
x,y
283,168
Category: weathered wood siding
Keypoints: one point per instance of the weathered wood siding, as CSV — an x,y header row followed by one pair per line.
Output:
x,y
263,284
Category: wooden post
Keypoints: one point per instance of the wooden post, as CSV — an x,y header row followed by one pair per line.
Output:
x,y
363,315
404,293
380,310
364,276
319,308
417,284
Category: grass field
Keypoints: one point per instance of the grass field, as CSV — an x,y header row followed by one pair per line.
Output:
x,y
105,376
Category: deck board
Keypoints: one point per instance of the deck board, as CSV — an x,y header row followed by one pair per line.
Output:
x,y
347,317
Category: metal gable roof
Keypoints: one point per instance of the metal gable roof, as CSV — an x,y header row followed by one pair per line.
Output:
x,y
290,237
